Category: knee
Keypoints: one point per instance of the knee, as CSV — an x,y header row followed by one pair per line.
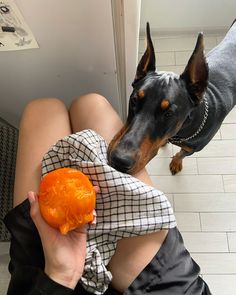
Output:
x,y
41,104
89,102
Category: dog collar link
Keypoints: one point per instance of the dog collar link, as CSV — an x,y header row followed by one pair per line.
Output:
x,y
177,139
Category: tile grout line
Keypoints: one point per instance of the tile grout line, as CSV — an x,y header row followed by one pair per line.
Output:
x,y
197,166
223,183
227,237
200,221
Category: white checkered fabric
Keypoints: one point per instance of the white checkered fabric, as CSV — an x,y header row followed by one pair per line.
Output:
x,y
125,206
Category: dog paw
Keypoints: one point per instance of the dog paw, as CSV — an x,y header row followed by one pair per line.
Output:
x,y
176,165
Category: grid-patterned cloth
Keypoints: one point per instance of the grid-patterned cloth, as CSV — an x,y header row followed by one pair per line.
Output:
x,y
125,206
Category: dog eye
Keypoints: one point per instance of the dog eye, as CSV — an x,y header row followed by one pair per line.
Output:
x,y
133,102
134,98
168,114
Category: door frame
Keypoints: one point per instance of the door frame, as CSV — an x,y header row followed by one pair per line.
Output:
x,y
126,25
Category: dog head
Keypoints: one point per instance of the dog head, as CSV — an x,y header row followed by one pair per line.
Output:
x,y
158,106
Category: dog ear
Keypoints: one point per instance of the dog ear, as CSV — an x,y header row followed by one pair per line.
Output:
x,y
196,72
148,60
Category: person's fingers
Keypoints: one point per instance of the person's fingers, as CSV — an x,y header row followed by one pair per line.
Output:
x,y
94,221
81,229
97,189
34,207
35,214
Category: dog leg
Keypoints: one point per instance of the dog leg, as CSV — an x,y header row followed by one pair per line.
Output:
x,y
164,143
176,163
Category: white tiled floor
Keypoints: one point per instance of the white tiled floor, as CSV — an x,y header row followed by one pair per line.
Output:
x,y
203,195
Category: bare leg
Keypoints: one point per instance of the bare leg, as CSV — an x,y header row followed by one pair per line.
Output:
x,y
44,121
93,111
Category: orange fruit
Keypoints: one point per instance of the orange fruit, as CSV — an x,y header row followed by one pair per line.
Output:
x,y
66,199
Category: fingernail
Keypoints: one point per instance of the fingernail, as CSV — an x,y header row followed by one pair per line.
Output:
x,y
31,197
94,221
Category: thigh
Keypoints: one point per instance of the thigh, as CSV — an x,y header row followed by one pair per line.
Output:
x,y
93,111
44,121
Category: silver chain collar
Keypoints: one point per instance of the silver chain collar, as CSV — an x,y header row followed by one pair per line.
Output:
x,y
176,139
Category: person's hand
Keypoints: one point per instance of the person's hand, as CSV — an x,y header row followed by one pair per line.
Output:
x,y
64,254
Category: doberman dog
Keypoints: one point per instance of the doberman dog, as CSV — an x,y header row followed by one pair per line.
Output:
x,y
186,110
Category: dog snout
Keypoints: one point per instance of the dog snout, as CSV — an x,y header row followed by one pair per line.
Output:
x,y
121,162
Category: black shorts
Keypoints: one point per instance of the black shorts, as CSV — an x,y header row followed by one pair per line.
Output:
x,y
171,272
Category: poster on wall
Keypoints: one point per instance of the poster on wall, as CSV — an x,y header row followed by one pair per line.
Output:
x,y
14,32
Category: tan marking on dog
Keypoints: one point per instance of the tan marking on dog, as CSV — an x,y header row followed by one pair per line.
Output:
x,y
165,104
141,94
143,155
116,139
176,164
186,148
147,151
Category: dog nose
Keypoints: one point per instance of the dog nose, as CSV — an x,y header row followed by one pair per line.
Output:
x,y
122,163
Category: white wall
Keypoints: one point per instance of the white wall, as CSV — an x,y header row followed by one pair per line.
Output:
x,y
169,15
76,55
